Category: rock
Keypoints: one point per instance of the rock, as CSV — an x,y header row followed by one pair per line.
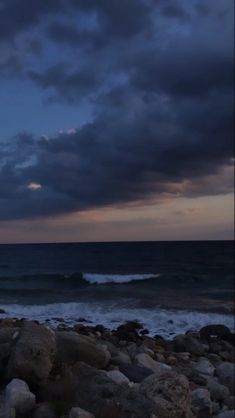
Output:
x,y
121,358
226,414
44,410
170,394
8,334
80,413
72,347
171,360
2,311
209,332
117,377
230,402
144,360
201,403
218,392
204,367
135,373
5,351
215,408
188,343
225,372
19,398
184,356
33,354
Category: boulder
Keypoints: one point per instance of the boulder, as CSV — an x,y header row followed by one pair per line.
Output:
x,y
117,377
218,392
201,403
72,347
209,332
80,413
144,360
44,410
188,343
19,398
170,394
32,355
204,367
226,414
225,372
121,358
135,373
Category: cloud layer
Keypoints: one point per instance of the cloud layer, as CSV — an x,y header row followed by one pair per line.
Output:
x,y
159,77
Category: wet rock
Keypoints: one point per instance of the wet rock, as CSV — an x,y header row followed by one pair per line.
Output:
x,y
225,372
19,398
2,311
8,334
144,360
210,332
32,355
201,403
72,347
170,394
117,377
135,373
204,367
80,413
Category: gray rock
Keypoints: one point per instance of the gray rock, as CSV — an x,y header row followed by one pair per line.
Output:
x,y
117,377
44,410
144,360
170,394
33,353
204,367
225,372
218,392
19,398
226,414
230,402
72,347
135,373
201,403
80,413
121,358
188,343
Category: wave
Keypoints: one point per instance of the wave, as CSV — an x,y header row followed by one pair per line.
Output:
x,y
52,281
167,323
117,278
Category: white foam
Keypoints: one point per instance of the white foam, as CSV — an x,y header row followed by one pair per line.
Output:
x,y
116,278
167,323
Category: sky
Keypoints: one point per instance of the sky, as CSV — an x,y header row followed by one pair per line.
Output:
x,y
116,120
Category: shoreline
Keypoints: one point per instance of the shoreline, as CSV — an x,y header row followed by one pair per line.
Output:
x,y
91,371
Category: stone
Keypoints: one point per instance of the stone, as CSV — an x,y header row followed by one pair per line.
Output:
x,y
145,360
121,358
225,372
230,402
226,414
80,413
19,398
117,377
204,367
201,403
209,332
188,343
2,311
135,373
32,356
218,392
44,410
170,394
72,347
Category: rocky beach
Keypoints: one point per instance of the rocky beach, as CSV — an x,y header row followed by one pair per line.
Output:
x,y
87,371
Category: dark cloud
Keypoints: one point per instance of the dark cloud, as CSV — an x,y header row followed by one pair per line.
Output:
x,y
159,76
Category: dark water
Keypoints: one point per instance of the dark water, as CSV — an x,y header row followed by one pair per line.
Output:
x,y
160,277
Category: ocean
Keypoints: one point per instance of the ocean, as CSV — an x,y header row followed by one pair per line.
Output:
x,y
171,287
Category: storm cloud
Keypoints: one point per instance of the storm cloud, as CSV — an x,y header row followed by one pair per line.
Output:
x,y
159,78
